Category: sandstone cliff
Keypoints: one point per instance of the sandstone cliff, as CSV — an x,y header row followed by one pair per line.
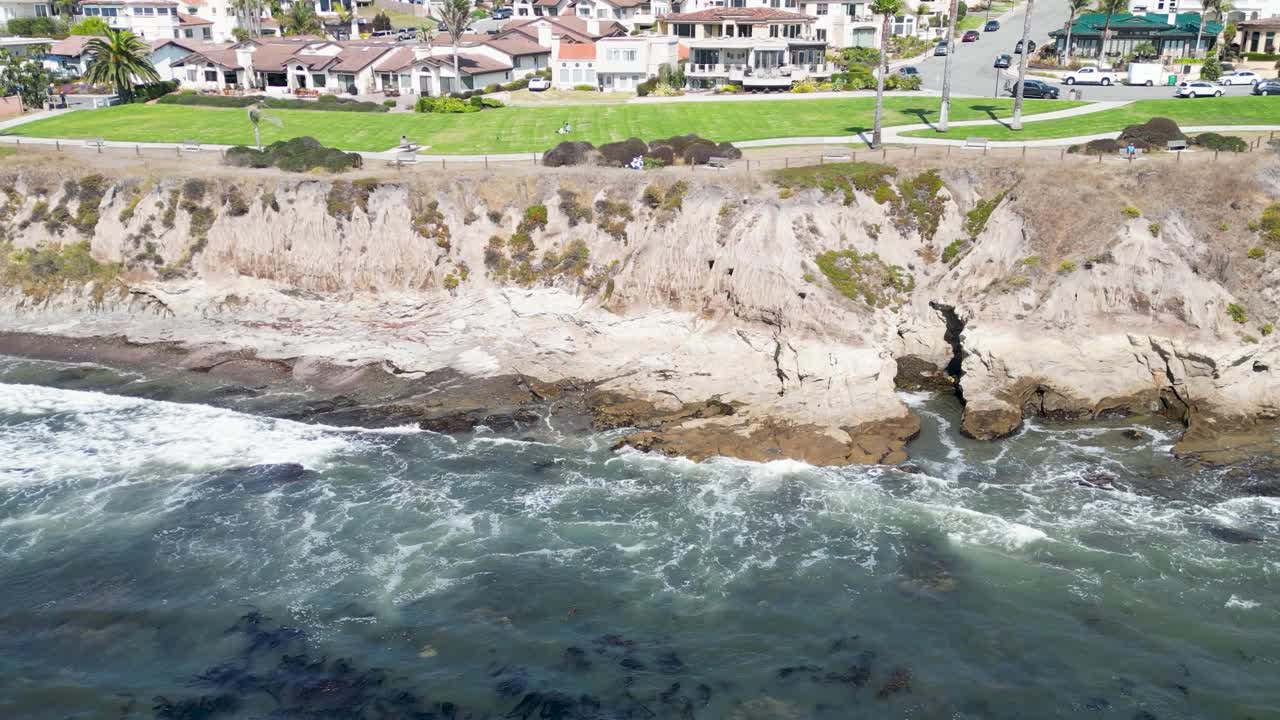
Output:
x,y
753,316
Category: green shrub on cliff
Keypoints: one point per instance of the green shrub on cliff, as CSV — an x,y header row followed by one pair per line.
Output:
x,y
953,250
1267,329
1269,225
42,272
835,177
1131,212
865,276
1238,313
975,221
1257,253
428,222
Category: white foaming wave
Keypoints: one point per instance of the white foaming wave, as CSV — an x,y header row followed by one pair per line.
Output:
x,y
1236,602
915,399
971,527
74,433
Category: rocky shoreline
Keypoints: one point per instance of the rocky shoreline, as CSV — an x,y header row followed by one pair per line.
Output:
x,y
761,319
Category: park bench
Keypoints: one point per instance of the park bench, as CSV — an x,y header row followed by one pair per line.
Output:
x,y
976,143
96,143
837,157
405,157
1176,145
190,146
717,161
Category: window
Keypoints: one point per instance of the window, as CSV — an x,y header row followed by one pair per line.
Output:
x,y
822,8
346,81
744,31
87,11
773,31
318,79
590,77
621,55
148,11
210,74
188,33
822,35
110,12
584,11
737,3
42,11
191,74
566,76
207,33
790,3
710,30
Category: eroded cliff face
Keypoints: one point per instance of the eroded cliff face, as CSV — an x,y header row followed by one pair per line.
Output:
x,y
757,317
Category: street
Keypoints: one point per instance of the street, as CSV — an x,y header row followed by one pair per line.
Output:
x,y
972,72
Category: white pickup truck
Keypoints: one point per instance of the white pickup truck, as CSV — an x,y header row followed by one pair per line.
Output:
x,y
1092,76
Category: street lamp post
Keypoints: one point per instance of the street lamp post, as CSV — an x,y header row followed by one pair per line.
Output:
x,y
996,94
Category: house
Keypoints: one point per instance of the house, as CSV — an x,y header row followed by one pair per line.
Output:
x,y
569,27
631,13
840,24
616,63
164,53
287,65
1172,35
1241,11
755,48
1259,36
24,46
537,8
67,57
13,9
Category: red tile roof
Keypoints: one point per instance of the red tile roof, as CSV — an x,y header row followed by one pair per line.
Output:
x,y
192,20
70,46
577,51
742,15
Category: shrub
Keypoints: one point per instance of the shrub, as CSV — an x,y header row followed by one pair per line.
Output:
x,y
902,82
646,87
1269,226
804,86
729,89
664,90
491,88
1237,313
1211,70
569,153
1154,229
1257,253
1131,212
1226,143
585,88
953,250
865,276
618,154
446,105
300,154
151,91
535,218
1267,329
661,155
389,103
1066,266
1103,146
1153,134
331,103
975,221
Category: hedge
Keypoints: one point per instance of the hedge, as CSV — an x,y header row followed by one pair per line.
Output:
x,y
301,154
324,102
1262,57
151,91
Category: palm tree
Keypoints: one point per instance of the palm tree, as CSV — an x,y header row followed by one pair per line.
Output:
x,y
887,9
1219,8
455,14
1022,67
251,12
1111,8
120,59
1073,7
944,110
301,19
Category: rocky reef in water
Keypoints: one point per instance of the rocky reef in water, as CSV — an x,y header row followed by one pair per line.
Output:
x,y
759,316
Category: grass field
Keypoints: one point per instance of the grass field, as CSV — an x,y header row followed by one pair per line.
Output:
x,y
1244,110
506,130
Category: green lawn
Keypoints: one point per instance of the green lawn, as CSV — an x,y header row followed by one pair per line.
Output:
x,y
524,129
1243,110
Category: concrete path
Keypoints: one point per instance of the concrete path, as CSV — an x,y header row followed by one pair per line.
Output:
x,y
30,117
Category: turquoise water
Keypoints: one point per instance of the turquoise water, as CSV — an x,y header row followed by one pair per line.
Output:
x,y
202,559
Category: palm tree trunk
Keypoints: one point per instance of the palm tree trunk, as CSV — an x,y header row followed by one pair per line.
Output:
x,y
457,76
1195,51
944,110
1102,48
1022,67
1066,55
884,64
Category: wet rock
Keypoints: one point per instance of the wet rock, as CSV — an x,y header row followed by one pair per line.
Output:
x,y
1232,535
262,478
628,663
666,696
609,641
1097,704
858,674
809,670
842,644
992,421
515,682
669,663
1097,480
468,421
1133,435
200,708
915,373
575,660
899,680
702,695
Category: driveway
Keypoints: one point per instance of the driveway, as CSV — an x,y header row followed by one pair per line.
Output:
x,y
972,72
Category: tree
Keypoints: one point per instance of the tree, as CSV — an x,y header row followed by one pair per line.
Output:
x,y
1111,8
92,25
1219,8
381,21
1229,36
1073,8
346,15
1144,51
256,116
886,9
301,19
1016,124
250,14
944,110
120,59
1211,70
70,8
455,14
25,77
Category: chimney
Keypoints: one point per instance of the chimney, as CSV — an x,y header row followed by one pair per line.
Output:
x,y
544,34
1173,18
244,57
593,27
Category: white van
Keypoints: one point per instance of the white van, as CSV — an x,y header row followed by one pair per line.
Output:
x,y
1148,74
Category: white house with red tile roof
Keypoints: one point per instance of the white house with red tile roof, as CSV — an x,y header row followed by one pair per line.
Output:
x,y
758,48
612,64
631,13
840,24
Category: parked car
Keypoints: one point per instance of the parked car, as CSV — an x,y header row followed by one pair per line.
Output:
x,y
1031,47
538,84
1199,88
1240,77
908,70
1003,60
444,27
1035,89
1267,87
991,26
1091,76
970,36
1148,74
502,13
941,48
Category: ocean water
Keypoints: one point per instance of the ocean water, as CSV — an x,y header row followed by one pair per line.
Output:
x,y
169,549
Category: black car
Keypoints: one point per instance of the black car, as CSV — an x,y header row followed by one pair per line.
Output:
x,y
1003,60
991,26
1031,47
908,70
1036,89
1267,87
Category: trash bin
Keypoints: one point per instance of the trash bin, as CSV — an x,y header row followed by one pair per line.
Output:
x,y
1173,80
